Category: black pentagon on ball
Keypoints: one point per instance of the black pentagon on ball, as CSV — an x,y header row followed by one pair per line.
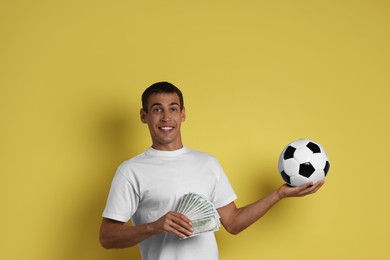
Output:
x,y
285,177
313,147
289,153
306,169
326,169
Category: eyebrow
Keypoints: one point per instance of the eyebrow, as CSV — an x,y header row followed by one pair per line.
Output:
x,y
170,104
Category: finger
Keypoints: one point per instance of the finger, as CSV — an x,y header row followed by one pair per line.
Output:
x,y
182,220
181,216
176,232
318,185
311,188
302,189
182,231
171,225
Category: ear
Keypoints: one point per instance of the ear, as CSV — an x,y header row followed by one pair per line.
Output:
x,y
183,115
142,114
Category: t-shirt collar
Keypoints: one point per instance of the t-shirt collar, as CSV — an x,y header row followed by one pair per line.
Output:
x,y
160,153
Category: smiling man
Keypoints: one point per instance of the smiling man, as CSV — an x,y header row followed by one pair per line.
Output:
x,y
148,187
163,113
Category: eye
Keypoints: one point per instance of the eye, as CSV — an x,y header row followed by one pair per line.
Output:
x,y
174,109
157,110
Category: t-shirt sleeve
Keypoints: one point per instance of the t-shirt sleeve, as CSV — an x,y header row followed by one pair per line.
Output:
x,y
122,199
223,193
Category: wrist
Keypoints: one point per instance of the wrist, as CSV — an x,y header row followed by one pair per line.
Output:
x,y
280,194
150,229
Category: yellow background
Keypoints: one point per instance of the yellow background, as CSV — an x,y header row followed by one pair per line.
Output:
x,y
256,75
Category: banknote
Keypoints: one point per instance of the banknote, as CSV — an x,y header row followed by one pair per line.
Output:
x,y
200,211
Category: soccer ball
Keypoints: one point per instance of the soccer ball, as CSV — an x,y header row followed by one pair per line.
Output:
x,y
303,161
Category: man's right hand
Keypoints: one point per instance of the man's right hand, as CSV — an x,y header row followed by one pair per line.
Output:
x,y
174,223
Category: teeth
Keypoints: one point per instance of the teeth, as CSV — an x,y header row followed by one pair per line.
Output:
x,y
166,128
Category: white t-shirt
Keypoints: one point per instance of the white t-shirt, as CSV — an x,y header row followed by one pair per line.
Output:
x,y
151,184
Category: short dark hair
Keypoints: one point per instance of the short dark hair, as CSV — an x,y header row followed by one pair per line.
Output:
x,y
161,87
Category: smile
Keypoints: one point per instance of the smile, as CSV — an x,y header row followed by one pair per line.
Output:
x,y
166,128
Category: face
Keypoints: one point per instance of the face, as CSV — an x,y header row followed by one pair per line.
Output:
x,y
164,119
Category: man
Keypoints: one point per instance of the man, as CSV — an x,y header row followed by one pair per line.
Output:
x,y
147,189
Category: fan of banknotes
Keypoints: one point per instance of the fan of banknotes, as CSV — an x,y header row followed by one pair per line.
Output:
x,y
200,211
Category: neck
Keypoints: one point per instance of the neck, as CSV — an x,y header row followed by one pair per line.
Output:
x,y
167,147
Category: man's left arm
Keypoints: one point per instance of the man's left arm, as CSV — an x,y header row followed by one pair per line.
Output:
x,y
237,219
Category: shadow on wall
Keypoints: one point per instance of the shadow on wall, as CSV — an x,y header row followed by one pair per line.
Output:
x,y
114,138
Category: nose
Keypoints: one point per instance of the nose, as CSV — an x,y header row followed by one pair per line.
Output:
x,y
165,117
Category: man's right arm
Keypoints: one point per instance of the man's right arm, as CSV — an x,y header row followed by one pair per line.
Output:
x,y
116,234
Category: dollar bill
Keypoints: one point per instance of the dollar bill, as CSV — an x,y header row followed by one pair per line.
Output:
x,y
201,212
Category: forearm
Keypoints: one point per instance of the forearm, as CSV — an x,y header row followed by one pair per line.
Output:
x,y
246,216
115,234
119,235
237,219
